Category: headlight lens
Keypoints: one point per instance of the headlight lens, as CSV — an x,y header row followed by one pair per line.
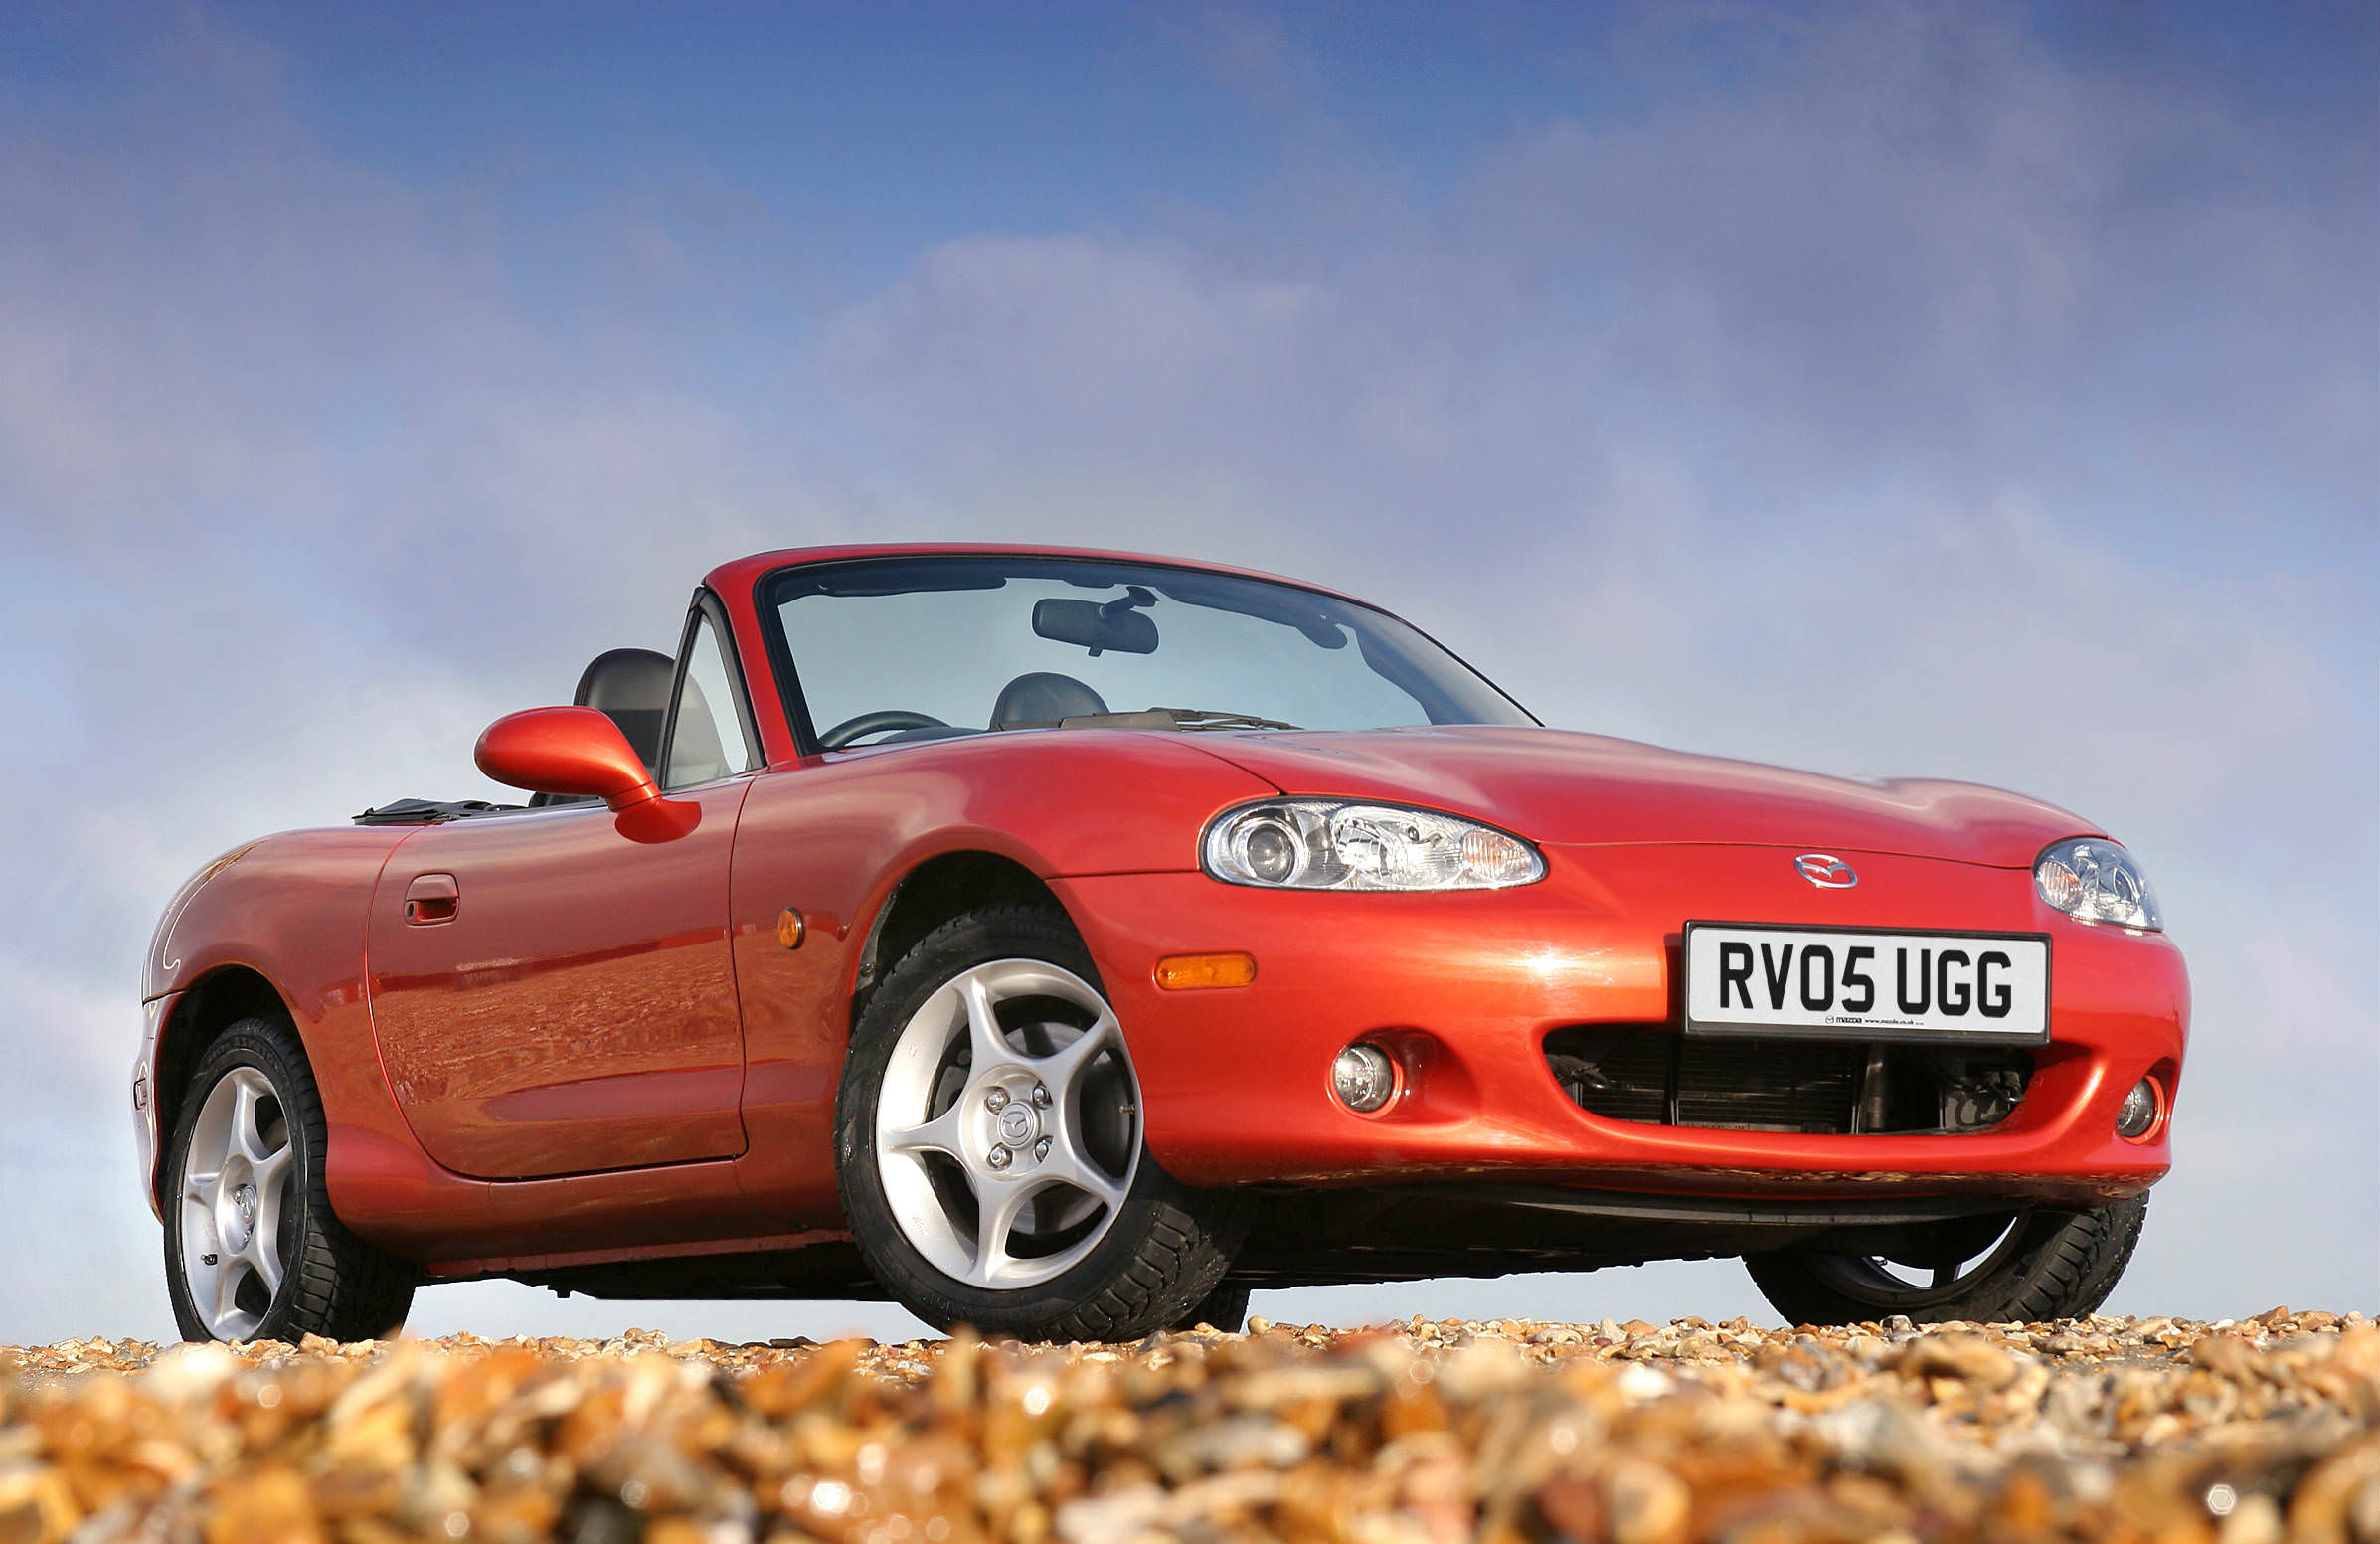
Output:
x,y
2094,880
1328,844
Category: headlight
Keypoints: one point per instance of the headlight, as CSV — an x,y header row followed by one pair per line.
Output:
x,y
2092,880
1327,844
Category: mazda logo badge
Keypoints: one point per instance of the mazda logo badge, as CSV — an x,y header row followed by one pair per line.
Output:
x,y
1825,871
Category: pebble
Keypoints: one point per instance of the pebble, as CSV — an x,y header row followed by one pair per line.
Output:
x,y
2242,1431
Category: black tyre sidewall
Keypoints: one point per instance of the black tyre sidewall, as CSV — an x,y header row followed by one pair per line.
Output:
x,y
1009,933
1224,1309
2064,1265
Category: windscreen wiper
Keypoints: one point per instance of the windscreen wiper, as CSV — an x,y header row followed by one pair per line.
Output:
x,y
1154,717
1207,718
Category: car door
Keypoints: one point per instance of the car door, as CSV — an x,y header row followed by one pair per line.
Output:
x,y
552,995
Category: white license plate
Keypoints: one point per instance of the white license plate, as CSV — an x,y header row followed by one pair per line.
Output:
x,y
1866,985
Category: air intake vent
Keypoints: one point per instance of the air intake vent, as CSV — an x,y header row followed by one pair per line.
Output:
x,y
1654,1076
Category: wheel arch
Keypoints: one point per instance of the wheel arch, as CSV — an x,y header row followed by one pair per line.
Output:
x,y
211,1004
931,892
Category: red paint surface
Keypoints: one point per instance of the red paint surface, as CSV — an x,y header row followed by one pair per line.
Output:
x,y
1236,1083
1558,787
605,1051
579,1011
835,836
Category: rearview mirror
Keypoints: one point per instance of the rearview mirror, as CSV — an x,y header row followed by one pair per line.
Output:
x,y
1089,624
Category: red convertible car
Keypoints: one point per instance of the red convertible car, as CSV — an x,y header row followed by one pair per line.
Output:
x,y
1066,942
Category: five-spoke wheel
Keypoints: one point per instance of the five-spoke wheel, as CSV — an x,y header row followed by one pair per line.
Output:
x,y
990,1149
235,1173
1008,1123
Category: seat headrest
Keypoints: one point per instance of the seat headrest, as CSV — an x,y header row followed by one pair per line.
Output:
x,y
630,686
1044,697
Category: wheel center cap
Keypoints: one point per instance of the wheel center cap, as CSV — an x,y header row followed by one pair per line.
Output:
x,y
243,1206
1016,1123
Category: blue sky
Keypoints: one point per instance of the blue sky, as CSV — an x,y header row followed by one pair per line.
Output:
x,y
1986,392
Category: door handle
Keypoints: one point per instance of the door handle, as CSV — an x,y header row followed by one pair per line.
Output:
x,y
431,897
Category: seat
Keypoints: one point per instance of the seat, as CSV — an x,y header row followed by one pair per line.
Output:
x,y
1044,697
630,687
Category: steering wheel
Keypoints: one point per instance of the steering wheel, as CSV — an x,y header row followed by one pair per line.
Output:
x,y
882,721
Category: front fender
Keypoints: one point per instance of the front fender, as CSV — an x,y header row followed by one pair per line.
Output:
x,y
146,1137
289,911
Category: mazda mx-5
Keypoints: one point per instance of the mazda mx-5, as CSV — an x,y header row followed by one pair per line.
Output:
x,y
1067,942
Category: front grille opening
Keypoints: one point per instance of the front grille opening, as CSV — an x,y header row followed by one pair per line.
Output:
x,y
1654,1076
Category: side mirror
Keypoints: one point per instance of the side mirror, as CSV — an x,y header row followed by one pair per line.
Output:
x,y
575,750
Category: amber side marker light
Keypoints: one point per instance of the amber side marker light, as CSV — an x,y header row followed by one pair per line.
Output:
x,y
1197,973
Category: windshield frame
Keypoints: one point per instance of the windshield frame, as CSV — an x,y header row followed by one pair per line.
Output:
x,y
768,596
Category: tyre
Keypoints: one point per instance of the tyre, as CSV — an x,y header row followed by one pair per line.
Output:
x,y
988,1143
2031,1265
1225,1308
252,1251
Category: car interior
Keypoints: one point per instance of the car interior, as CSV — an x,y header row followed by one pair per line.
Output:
x,y
631,687
1044,697
1038,699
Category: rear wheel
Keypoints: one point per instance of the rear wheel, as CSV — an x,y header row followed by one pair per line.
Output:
x,y
2025,1266
252,1251
989,1142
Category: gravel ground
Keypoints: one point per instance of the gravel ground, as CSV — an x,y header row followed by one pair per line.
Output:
x,y
2267,1429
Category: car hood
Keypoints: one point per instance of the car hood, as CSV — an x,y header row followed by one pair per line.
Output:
x,y
1561,788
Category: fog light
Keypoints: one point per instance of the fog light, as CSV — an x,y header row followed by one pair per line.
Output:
x,y
1364,1078
2139,1113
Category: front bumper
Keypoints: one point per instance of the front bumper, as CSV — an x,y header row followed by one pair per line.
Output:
x,y
1467,986
146,1137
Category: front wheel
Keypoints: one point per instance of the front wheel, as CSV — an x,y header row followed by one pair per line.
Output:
x,y
1225,1308
989,1142
252,1249
2024,1268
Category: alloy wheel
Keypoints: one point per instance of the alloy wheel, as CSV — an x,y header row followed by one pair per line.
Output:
x,y
234,1196
1009,1124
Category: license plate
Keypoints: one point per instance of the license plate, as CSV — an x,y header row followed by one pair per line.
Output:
x,y
1860,984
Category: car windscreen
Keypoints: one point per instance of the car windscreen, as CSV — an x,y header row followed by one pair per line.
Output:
x,y
887,649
